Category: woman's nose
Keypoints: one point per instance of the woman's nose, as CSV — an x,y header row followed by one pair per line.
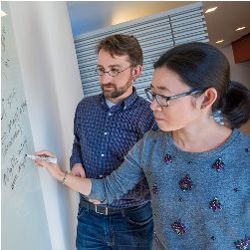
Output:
x,y
155,105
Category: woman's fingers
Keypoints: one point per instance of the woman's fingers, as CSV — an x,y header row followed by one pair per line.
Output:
x,y
44,153
41,163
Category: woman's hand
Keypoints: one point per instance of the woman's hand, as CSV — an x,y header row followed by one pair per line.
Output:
x,y
53,169
76,183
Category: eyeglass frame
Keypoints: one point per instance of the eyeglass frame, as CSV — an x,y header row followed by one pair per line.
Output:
x,y
168,98
107,72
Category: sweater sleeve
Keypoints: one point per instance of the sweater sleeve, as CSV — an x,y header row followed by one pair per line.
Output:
x,y
121,180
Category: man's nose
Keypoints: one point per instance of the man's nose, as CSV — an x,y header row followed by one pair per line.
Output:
x,y
105,78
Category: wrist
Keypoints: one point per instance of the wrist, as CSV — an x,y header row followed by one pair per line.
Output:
x,y
63,180
60,175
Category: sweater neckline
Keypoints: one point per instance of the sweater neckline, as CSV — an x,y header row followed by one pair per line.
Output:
x,y
235,133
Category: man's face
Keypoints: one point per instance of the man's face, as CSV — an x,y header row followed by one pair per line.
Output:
x,y
119,86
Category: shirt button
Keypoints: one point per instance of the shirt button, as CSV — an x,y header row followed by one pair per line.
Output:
x,y
109,113
100,176
105,133
124,108
102,155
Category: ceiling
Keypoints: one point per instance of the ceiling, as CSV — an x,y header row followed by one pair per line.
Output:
x,y
87,16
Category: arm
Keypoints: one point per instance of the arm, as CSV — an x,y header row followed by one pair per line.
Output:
x,y
76,159
106,190
76,183
78,170
76,165
118,183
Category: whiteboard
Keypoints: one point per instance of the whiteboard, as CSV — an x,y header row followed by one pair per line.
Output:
x,y
24,222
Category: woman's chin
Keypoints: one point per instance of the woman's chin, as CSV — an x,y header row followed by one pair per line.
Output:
x,y
165,127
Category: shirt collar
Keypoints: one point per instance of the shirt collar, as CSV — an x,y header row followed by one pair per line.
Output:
x,y
124,104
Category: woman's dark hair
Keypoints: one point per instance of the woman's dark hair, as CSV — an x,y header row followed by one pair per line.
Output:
x,y
202,66
119,44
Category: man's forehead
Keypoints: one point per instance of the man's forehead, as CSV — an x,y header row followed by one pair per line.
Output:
x,y
107,57
116,62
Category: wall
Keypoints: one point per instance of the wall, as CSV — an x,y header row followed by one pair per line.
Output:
x,y
89,16
239,72
53,88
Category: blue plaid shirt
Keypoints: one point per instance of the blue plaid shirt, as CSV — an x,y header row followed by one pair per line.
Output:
x,y
104,135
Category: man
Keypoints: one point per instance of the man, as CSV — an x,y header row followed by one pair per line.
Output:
x,y
106,126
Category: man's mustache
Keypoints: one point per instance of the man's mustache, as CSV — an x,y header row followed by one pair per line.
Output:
x,y
107,85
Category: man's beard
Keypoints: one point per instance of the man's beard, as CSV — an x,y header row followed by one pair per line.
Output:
x,y
116,92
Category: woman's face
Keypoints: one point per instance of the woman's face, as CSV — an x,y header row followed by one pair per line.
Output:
x,y
181,112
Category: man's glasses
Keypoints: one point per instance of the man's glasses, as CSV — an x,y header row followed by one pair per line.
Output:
x,y
113,72
163,101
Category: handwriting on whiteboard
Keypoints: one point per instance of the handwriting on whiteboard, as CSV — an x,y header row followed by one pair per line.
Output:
x,y
15,137
14,142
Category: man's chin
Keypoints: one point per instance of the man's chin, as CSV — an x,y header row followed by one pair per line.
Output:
x,y
112,94
107,93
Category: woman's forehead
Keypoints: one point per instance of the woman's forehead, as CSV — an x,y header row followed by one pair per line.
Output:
x,y
165,79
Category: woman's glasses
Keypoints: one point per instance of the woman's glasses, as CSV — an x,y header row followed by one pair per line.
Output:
x,y
163,101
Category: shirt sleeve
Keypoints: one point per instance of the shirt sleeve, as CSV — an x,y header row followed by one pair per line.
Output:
x,y
76,150
121,180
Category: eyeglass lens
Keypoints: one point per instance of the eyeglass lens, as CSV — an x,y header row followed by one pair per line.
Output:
x,y
111,72
160,100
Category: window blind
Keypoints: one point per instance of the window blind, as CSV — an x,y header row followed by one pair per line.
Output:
x,y
156,34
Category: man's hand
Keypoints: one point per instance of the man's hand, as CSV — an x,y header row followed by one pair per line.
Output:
x,y
78,170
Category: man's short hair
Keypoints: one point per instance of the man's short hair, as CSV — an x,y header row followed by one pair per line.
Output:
x,y
122,45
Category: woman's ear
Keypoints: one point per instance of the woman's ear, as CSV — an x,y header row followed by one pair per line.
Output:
x,y
208,98
136,72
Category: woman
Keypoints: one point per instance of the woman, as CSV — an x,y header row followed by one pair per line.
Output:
x,y
197,164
